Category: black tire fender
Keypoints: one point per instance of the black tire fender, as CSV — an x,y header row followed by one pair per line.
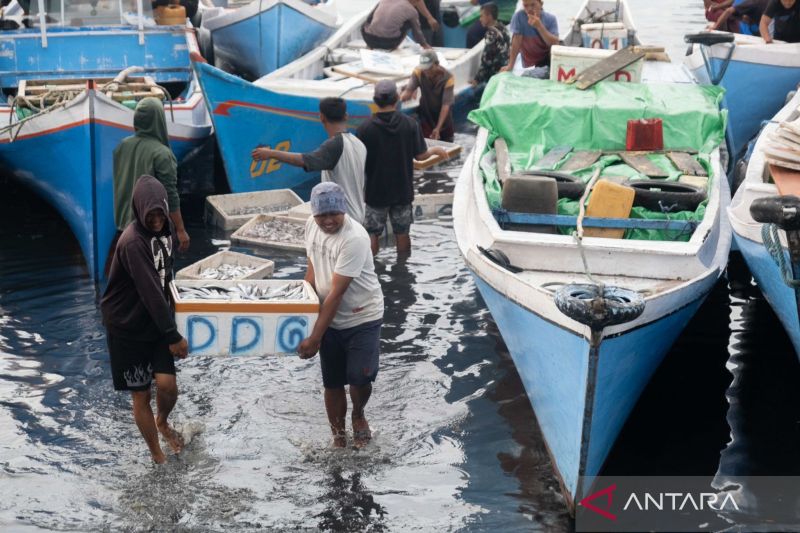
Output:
x,y
666,196
584,303
568,185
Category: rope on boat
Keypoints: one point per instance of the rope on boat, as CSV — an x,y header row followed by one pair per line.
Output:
x,y
772,242
63,97
596,305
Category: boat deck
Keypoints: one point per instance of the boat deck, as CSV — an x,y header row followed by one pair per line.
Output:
x,y
552,280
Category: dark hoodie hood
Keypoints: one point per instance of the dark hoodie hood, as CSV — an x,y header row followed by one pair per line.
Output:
x,y
389,121
149,195
149,120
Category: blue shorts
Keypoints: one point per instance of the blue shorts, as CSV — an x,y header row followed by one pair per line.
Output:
x,y
350,356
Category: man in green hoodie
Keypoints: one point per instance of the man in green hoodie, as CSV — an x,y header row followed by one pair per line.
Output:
x,y
146,152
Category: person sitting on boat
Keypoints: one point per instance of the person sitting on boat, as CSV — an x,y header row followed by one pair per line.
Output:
x,y
147,151
477,31
142,336
533,32
496,44
341,158
436,86
390,21
393,141
743,17
431,21
714,10
347,332
786,14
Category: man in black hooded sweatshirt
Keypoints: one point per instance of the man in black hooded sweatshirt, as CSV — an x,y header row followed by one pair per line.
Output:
x,y
141,331
393,140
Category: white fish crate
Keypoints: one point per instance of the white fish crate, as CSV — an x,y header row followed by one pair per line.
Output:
x,y
245,327
605,35
262,268
231,211
292,240
300,212
566,62
436,205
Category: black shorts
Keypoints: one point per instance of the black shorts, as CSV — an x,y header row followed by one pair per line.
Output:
x,y
350,356
133,362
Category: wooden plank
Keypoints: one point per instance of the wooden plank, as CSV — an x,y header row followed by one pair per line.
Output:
x,y
641,163
552,157
787,180
451,148
581,159
503,163
686,163
606,67
781,163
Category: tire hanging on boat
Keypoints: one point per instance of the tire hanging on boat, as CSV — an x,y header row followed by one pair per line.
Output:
x,y
584,303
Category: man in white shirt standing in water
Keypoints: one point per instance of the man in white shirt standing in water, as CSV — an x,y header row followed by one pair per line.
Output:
x,y
341,158
347,331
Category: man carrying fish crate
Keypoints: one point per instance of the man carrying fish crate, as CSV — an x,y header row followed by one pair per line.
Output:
x,y
348,328
141,332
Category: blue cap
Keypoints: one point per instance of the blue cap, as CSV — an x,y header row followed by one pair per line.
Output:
x,y
327,197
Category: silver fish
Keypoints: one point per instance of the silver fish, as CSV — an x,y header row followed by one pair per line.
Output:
x,y
227,271
259,209
278,231
292,290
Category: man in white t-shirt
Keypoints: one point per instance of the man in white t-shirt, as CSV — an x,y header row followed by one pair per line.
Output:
x,y
341,158
347,331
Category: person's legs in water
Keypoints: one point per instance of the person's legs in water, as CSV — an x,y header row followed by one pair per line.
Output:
x,y
143,415
374,222
333,363
166,396
363,348
361,431
401,217
336,407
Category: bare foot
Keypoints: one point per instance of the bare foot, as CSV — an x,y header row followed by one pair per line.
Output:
x,y
339,441
159,458
173,438
361,432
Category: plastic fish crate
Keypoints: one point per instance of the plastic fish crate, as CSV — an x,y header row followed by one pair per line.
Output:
x,y
244,327
263,267
220,208
239,236
433,205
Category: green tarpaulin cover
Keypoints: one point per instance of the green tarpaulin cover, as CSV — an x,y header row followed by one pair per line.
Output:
x,y
533,116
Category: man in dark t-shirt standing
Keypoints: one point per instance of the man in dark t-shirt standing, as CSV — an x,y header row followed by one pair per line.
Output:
x,y
786,14
393,141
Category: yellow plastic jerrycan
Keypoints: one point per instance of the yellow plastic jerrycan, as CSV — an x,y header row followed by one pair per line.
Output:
x,y
609,200
171,15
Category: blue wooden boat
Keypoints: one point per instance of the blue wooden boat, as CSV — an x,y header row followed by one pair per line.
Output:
x,y
749,234
585,353
61,129
253,39
281,110
739,66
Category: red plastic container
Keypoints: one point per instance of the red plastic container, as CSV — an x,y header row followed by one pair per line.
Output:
x,y
645,134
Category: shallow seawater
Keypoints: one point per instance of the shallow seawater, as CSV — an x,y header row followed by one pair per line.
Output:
x,y
456,445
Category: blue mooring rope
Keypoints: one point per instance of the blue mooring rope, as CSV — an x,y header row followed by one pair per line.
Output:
x,y
772,242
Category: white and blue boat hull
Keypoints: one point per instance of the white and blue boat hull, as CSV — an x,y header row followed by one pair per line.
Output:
x,y
756,82
748,233
66,157
264,35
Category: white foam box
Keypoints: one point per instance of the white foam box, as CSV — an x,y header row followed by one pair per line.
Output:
x,y
566,62
244,327
220,208
433,205
605,35
240,235
263,267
